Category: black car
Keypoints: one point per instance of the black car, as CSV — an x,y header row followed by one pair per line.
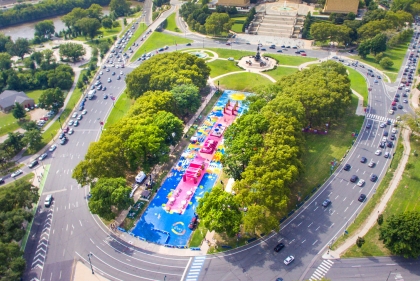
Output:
x,y
326,203
373,178
363,159
63,141
385,133
396,99
388,122
62,135
392,137
382,144
1,180
362,198
193,223
368,126
400,106
389,144
33,164
278,247
354,178
346,167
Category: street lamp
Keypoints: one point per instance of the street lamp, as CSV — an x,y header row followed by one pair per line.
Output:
x,y
90,255
218,89
203,43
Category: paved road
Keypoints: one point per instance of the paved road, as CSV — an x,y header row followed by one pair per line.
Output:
x,y
369,269
67,230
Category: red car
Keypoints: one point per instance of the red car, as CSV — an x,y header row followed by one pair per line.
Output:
x,y
303,54
66,130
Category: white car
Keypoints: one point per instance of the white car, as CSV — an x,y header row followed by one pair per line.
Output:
x,y
289,259
384,139
84,112
43,156
378,152
394,130
74,115
17,173
71,122
361,183
52,148
371,164
109,79
382,125
71,131
107,70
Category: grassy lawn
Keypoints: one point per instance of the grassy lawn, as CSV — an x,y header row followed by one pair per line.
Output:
x,y
239,23
8,123
290,60
27,177
358,83
171,23
219,67
370,206
198,236
322,149
158,40
34,94
243,81
396,54
121,107
227,53
142,28
281,71
111,31
405,198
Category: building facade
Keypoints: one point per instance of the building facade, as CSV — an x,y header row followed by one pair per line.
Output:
x,y
234,3
8,99
341,6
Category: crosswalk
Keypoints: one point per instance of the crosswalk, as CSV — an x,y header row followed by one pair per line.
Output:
x,y
195,268
379,118
321,270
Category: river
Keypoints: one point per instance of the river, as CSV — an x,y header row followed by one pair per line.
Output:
x,y
27,30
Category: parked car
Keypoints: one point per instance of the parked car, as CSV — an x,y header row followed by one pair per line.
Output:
x,y
52,148
278,247
48,200
326,203
42,157
16,173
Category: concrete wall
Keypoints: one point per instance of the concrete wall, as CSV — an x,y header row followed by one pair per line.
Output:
x,y
341,6
235,3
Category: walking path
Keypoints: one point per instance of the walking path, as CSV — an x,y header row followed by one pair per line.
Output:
x,y
371,220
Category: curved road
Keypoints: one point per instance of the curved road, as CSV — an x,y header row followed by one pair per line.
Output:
x,y
67,231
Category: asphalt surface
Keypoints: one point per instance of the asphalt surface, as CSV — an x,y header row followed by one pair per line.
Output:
x,y
67,231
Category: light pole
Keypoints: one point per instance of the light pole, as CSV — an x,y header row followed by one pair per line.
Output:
x,y
89,255
218,89
203,43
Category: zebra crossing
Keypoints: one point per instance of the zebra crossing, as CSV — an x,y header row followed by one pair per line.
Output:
x,y
321,270
379,118
195,268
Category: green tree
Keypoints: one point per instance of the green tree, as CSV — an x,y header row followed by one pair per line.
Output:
x,y
364,49
12,261
187,99
71,18
217,23
5,61
373,28
321,31
360,241
52,99
219,211
400,234
379,56
163,72
18,111
72,50
19,48
386,63
95,11
33,139
89,26
44,28
107,193
3,41
107,23
14,141
120,7
378,43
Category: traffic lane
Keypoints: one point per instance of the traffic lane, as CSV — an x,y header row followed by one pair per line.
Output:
x,y
375,268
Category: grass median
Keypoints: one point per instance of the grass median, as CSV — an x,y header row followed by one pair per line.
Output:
x,y
405,198
358,83
159,40
120,108
243,81
171,23
281,71
139,31
220,67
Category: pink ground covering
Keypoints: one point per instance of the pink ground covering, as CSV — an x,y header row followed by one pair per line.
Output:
x,y
180,194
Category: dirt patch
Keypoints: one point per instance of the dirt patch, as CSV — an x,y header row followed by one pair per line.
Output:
x,y
37,113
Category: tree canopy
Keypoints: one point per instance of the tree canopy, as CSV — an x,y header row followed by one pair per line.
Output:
x,y
72,50
400,234
165,71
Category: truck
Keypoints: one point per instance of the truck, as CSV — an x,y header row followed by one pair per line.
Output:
x,y
91,94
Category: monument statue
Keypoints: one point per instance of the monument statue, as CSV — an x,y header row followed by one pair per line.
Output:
x,y
258,56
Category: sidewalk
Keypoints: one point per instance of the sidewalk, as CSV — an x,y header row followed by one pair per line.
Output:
x,y
371,220
82,272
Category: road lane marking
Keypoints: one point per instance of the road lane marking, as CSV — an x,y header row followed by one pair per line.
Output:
x,y
303,241
317,228
351,202
314,242
315,209
80,223
291,241
337,196
346,209
299,224
310,224
344,199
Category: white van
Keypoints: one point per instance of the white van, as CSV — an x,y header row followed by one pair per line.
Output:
x,y
140,177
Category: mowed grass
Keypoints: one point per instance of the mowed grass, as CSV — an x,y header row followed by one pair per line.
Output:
x,y
140,29
281,71
34,94
396,54
243,81
290,60
404,199
228,53
8,123
358,83
121,107
320,150
111,31
219,67
239,23
158,40
171,23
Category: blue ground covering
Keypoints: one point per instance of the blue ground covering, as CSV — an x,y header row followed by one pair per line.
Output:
x,y
156,224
